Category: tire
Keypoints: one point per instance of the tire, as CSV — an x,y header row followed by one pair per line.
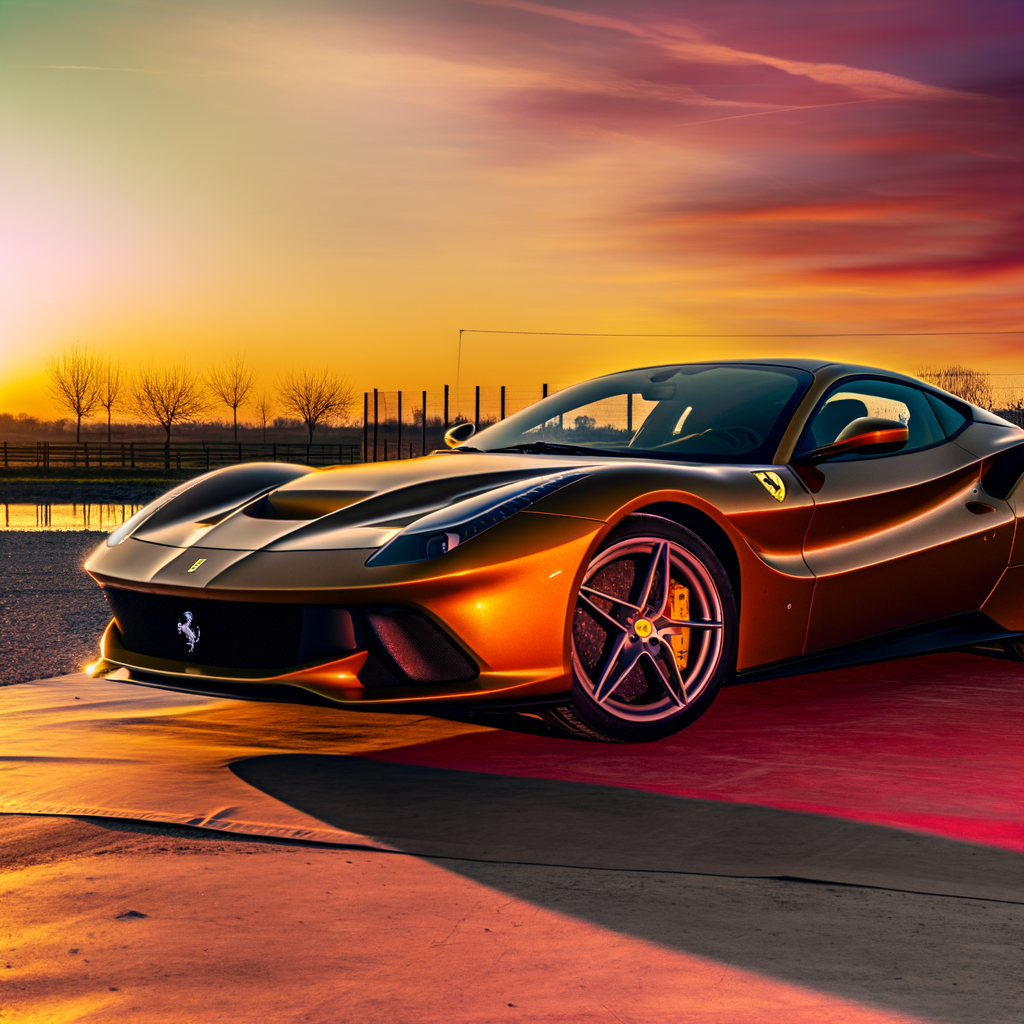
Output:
x,y
649,649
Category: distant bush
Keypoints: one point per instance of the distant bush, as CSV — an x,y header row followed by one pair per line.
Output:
x,y
970,385
22,423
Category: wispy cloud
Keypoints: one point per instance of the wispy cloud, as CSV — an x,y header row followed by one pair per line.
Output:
x,y
687,45
87,67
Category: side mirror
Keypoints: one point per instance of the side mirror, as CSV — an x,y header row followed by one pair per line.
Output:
x,y
459,434
869,434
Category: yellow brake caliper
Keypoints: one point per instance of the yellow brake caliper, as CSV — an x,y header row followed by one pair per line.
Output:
x,y
679,600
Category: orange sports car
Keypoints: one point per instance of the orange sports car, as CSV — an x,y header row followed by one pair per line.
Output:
x,y
604,559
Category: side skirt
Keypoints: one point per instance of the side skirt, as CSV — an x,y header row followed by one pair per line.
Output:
x,y
959,632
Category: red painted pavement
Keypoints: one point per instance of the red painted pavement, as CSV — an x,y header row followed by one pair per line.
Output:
x,y
933,744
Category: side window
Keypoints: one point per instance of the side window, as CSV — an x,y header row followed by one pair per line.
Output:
x,y
950,417
856,399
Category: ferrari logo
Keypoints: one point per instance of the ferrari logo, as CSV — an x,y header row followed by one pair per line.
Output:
x,y
643,628
196,564
191,635
773,484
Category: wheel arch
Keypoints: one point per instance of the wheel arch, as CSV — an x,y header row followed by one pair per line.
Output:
x,y
700,523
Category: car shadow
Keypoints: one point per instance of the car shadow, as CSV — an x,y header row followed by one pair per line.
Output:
x,y
709,878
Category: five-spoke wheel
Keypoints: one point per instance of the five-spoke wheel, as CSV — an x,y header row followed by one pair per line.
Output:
x,y
654,631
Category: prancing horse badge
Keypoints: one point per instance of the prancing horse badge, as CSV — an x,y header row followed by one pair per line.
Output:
x,y
191,635
772,484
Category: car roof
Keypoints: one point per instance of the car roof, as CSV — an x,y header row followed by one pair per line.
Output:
x,y
837,369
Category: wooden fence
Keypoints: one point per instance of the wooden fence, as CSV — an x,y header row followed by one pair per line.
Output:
x,y
92,455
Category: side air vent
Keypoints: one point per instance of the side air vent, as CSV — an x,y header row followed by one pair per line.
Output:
x,y
418,647
1003,471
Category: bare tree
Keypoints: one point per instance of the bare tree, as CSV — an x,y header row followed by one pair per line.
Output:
x,y
168,396
111,388
74,379
232,384
315,396
264,409
970,385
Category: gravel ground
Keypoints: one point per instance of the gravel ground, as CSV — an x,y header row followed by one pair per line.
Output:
x,y
51,613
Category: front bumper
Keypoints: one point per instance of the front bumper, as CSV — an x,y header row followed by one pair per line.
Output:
x,y
505,599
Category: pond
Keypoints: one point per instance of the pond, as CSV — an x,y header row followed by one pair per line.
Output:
x,y
99,517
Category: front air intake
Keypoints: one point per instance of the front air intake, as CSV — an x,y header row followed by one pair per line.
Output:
x,y
421,650
225,634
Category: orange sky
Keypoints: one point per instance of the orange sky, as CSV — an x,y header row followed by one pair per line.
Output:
x,y
349,184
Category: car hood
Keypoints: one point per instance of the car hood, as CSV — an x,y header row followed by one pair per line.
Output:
x,y
359,506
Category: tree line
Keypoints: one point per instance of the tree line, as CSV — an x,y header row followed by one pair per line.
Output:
x,y
84,383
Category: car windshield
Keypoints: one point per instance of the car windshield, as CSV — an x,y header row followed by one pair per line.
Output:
x,y
694,412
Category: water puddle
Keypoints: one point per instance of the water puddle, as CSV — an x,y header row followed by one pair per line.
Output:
x,y
99,517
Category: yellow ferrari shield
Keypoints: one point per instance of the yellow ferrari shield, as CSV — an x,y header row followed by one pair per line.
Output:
x,y
772,484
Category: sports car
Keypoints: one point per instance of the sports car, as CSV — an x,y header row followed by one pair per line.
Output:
x,y
605,559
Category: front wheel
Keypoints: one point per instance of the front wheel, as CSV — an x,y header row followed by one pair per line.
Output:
x,y
654,633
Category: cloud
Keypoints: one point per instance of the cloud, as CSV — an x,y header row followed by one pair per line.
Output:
x,y
685,44
86,67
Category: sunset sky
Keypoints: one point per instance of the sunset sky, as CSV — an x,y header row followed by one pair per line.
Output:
x,y
349,183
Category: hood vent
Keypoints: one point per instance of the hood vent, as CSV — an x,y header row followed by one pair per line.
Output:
x,y
303,505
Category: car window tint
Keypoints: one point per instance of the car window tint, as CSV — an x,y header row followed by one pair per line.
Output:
x,y
704,412
950,418
879,399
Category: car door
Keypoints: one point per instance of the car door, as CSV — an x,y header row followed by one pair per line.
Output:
x,y
896,539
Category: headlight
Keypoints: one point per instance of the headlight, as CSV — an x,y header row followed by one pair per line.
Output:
x,y
439,532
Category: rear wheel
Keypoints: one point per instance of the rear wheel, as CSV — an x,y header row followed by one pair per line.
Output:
x,y
654,633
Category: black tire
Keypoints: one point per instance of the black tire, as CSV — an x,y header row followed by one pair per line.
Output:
x,y
649,649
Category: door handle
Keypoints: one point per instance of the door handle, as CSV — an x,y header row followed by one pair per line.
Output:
x,y
979,508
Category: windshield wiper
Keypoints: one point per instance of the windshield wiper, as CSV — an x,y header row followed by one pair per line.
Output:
x,y
549,448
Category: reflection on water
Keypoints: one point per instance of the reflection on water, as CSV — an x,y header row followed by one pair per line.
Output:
x,y
65,517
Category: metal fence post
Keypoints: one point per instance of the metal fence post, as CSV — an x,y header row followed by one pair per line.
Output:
x,y
502,401
446,407
366,424
423,428
545,391
375,423
399,425
476,416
